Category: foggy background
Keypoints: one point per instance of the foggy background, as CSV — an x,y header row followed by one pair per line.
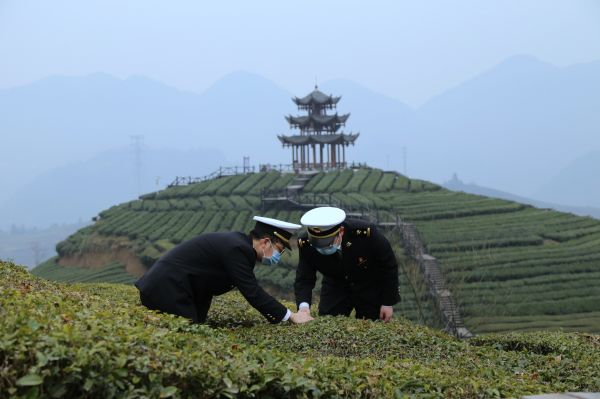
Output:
x,y
499,97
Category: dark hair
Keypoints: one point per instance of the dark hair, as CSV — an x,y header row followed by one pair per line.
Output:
x,y
259,236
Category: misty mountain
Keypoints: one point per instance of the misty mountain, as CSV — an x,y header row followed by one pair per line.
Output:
x,y
79,190
385,124
30,247
514,125
576,184
455,184
511,127
63,119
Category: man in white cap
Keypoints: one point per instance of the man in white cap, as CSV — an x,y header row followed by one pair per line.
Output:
x,y
359,268
185,279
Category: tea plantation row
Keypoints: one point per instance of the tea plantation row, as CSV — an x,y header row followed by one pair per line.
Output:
x,y
536,263
96,340
504,260
112,273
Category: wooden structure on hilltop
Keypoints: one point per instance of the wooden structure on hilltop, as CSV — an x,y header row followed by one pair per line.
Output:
x,y
319,132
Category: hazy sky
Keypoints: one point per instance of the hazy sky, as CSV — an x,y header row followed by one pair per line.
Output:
x,y
408,50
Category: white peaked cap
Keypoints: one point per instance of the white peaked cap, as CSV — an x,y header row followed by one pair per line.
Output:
x,y
278,228
323,218
280,224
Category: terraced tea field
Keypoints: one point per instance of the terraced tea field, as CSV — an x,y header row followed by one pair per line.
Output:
x,y
96,341
510,266
112,273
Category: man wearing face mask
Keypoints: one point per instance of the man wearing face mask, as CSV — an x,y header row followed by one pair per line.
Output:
x,y
185,279
359,267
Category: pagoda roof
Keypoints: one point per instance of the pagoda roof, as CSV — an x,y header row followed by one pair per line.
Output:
x,y
340,138
316,97
318,122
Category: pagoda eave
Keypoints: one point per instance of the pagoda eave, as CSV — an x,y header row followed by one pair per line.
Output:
x,y
316,97
318,122
341,138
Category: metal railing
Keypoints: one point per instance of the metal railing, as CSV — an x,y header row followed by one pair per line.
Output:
x,y
281,168
232,171
295,199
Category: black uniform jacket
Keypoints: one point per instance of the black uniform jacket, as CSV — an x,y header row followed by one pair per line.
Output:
x,y
207,265
366,266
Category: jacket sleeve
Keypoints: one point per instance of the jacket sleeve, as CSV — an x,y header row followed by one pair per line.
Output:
x,y
386,259
306,277
240,268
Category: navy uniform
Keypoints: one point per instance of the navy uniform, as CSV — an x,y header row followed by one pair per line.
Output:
x,y
361,275
185,279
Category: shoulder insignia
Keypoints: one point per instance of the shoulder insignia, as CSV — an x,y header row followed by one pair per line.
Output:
x,y
348,244
301,242
363,232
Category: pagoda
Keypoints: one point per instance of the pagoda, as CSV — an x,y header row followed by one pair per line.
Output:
x,y
320,144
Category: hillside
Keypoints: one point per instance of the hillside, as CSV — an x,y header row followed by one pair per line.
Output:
x,y
510,266
455,184
29,247
523,117
78,190
574,184
95,340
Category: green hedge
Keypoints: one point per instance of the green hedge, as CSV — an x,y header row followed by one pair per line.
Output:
x,y
95,340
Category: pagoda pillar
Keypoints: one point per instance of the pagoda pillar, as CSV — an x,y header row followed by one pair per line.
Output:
x,y
304,156
333,158
321,153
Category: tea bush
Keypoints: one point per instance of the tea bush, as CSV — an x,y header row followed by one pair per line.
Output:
x,y
95,340
486,247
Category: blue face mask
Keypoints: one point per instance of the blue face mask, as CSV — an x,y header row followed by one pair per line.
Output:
x,y
328,250
273,259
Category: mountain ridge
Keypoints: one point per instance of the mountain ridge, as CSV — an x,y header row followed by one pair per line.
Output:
x,y
243,112
455,184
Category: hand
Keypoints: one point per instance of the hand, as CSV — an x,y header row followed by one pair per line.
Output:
x,y
304,310
300,317
385,313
